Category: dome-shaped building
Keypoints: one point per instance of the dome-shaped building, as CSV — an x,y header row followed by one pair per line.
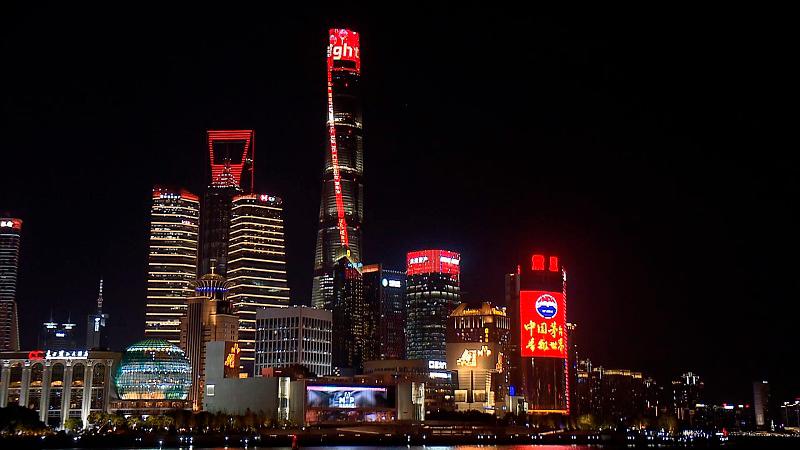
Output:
x,y
153,369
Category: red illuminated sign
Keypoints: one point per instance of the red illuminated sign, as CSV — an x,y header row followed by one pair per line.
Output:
x,y
433,261
554,264
36,355
14,224
343,46
229,173
543,324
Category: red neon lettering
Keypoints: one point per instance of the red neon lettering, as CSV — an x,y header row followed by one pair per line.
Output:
x,y
554,264
537,262
36,355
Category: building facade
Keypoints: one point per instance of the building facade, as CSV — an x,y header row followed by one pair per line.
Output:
x,y
540,329
172,260
477,349
58,385
438,381
256,265
209,318
687,393
342,202
432,293
354,323
385,296
96,323
296,335
58,336
10,230
231,154
761,404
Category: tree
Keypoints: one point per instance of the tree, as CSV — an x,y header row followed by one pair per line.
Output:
x,y
134,422
14,418
587,422
73,424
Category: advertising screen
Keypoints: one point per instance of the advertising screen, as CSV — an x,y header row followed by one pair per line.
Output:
x,y
348,397
344,46
543,324
433,261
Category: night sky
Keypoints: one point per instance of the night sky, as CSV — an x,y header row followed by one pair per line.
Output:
x,y
637,145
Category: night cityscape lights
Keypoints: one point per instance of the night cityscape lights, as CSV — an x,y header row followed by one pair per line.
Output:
x,y
153,369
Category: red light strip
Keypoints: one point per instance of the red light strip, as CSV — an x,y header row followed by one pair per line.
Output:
x,y
236,169
337,179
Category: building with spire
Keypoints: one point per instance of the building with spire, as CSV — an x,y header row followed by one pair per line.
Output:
x,y
96,333
10,230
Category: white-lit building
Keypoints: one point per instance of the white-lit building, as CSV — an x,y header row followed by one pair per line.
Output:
x,y
58,385
297,335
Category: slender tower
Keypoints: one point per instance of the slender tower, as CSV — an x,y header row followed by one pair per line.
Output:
x,y
96,335
342,205
10,230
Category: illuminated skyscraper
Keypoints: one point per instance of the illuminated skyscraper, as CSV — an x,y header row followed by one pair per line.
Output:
x,y
58,336
432,293
540,327
342,204
209,317
385,298
96,333
10,230
353,322
256,264
172,261
231,157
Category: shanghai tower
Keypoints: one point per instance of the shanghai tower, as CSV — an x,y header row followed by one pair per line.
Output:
x,y
342,205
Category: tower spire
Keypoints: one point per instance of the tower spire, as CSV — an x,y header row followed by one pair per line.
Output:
x,y
100,297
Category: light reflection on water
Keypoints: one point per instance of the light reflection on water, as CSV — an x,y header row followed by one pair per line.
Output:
x,y
387,447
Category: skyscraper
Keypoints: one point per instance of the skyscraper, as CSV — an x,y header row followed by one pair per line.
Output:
x,y
231,158
342,204
540,327
353,323
297,335
96,333
209,317
256,264
761,403
432,293
57,336
172,260
10,229
385,298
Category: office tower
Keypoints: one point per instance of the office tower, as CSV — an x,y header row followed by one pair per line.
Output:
x,y
385,296
477,349
96,333
342,204
687,393
297,335
353,323
611,395
256,265
209,317
540,328
10,230
761,403
511,300
57,336
572,364
432,293
172,260
231,156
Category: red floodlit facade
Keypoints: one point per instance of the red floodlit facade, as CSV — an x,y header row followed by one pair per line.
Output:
x,y
433,261
226,170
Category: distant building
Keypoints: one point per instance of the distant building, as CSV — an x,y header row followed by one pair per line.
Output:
x,y
687,393
477,349
209,317
354,323
433,291
58,385
790,413
171,261
96,332
10,230
58,336
256,265
612,396
385,297
761,404
296,335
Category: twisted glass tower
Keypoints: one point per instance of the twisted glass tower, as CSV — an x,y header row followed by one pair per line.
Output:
x,y
342,205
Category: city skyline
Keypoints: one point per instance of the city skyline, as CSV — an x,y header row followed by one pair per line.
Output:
x,y
622,182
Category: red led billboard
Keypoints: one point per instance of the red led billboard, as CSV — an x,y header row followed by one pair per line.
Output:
x,y
433,261
344,46
543,324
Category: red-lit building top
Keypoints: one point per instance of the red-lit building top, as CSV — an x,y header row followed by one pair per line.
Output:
x,y
10,222
433,261
227,167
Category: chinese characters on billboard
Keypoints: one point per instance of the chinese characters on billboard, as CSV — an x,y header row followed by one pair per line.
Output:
x,y
433,261
543,317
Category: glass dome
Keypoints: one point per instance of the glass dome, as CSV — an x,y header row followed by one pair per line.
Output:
x,y
153,369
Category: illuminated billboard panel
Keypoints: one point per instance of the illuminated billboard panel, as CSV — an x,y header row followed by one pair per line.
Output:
x,y
348,397
344,46
543,324
433,261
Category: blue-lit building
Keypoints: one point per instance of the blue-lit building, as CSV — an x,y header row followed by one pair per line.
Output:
x,y
385,297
